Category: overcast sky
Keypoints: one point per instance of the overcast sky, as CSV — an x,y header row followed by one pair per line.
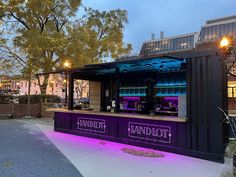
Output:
x,y
171,16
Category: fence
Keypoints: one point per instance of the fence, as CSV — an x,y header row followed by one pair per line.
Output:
x,y
21,110
6,110
45,106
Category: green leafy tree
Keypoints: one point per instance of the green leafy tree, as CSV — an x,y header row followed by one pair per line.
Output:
x,y
39,31
98,35
45,33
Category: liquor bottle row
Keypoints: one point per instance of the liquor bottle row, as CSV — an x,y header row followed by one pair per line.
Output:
x,y
170,91
133,91
141,91
167,84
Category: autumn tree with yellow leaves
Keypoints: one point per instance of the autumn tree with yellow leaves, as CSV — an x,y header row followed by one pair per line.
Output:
x,y
41,35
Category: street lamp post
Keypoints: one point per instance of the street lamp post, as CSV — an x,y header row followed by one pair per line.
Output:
x,y
227,48
52,86
66,65
17,84
17,87
65,84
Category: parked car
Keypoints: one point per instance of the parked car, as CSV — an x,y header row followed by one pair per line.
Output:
x,y
82,103
84,100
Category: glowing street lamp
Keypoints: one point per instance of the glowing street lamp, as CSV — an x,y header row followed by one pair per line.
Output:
x,y
225,42
66,64
226,45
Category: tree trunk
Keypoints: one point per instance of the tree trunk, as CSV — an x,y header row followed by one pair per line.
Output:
x,y
77,93
43,85
29,89
81,92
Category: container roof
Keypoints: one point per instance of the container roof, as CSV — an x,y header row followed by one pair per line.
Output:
x,y
156,64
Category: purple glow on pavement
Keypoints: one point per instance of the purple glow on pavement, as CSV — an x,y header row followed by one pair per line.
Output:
x,y
83,152
107,146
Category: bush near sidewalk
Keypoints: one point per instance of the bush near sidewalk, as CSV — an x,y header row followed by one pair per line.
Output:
x,y
5,99
34,99
229,152
230,149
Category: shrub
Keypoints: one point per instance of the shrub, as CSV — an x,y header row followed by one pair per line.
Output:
x,y
51,99
230,150
5,99
35,99
23,99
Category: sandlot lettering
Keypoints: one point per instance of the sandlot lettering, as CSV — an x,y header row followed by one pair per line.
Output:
x,y
91,124
150,132
144,130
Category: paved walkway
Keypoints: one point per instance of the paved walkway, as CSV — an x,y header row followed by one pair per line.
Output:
x,y
26,152
97,158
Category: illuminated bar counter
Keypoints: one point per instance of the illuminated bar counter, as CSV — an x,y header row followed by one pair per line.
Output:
x,y
136,116
164,103
136,129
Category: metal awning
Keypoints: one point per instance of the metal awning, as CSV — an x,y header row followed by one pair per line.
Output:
x,y
160,64
155,64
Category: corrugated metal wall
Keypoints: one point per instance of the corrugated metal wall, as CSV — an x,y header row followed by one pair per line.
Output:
x,y
206,92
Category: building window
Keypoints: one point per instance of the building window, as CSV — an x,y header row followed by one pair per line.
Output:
x,y
183,44
230,29
232,92
232,89
171,44
226,29
222,29
203,36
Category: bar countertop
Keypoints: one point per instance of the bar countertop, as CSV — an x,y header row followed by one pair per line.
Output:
x,y
138,116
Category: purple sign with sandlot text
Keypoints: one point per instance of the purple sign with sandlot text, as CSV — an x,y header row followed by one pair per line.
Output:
x,y
91,125
149,132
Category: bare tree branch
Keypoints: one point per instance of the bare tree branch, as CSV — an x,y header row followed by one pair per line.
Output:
x,y
17,57
232,65
20,20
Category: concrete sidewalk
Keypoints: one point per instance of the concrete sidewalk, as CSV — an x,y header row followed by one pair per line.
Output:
x,y
98,158
26,152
